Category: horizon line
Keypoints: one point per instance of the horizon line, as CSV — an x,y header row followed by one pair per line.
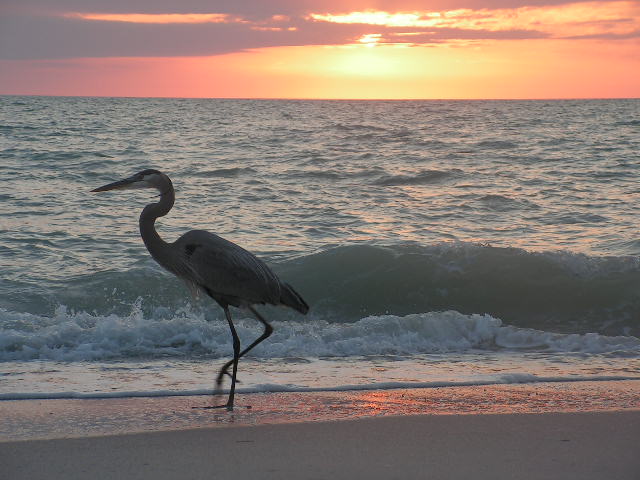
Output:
x,y
169,97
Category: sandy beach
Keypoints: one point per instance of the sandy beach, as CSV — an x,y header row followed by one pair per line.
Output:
x,y
587,430
512,446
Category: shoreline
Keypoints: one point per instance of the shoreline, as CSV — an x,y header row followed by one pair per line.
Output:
x,y
25,420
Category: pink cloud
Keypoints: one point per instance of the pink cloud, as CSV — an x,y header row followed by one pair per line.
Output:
x,y
140,29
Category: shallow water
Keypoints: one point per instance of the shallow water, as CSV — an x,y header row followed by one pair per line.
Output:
x,y
35,419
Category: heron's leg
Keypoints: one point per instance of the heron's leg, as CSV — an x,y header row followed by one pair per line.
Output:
x,y
234,362
236,357
268,330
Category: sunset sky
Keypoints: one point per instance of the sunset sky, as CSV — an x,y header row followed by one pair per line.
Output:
x,y
321,49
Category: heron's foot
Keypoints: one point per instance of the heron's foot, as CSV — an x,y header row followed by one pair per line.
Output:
x,y
228,406
220,378
217,407
224,371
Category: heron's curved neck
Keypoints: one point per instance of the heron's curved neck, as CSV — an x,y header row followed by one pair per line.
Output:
x,y
148,217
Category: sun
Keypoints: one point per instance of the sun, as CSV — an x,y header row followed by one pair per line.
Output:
x,y
368,59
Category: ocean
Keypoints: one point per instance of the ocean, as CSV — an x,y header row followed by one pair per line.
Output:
x,y
438,243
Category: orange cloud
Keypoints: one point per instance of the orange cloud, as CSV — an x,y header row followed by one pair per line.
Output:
x,y
585,18
370,40
414,19
160,18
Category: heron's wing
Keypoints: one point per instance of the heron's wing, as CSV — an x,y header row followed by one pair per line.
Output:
x,y
226,271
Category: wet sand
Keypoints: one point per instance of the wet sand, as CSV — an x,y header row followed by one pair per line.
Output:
x,y
65,418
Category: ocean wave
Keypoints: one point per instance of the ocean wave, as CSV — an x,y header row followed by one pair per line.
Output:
x,y
69,336
496,145
226,172
558,292
421,178
351,127
573,218
554,291
321,174
628,123
501,203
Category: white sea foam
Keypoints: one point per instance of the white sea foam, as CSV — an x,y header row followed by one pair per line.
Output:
x,y
69,336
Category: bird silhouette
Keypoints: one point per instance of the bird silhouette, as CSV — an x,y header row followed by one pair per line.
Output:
x,y
224,271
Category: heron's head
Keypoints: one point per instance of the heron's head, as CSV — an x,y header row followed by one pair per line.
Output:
x,y
145,179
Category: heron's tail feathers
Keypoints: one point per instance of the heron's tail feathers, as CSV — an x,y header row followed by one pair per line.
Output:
x,y
291,298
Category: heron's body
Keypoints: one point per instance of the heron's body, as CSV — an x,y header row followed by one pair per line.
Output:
x,y
234,277
224,271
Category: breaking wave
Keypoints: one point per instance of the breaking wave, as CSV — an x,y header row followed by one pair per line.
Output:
x,y
81,336
365,300
555,291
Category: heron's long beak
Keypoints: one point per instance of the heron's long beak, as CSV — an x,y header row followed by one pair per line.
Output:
x,y
125,184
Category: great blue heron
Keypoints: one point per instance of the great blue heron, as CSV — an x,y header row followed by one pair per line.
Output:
x,y
206,262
